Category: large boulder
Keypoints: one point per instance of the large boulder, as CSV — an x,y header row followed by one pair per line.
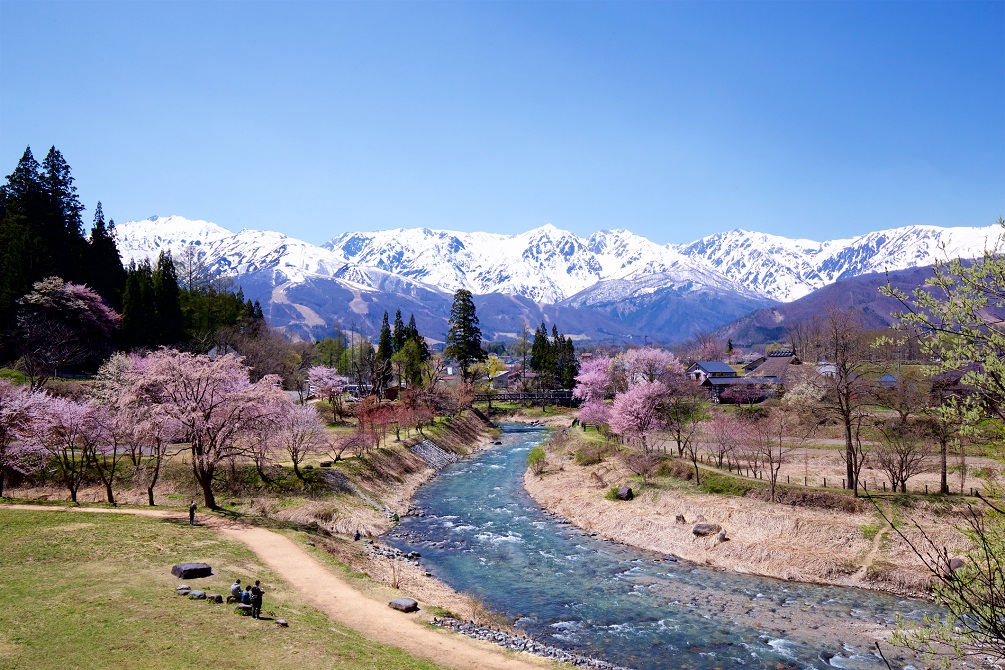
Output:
x,y
625,493
404,605
191,570
704,529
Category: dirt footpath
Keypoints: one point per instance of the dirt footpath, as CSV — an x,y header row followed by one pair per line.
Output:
x,y
329,594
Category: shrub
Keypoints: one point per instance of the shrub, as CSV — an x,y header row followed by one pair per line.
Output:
x,y
612,493
536,460
724,485
591,454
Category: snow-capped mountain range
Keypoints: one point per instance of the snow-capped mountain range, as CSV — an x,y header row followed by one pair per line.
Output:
x,y
549,266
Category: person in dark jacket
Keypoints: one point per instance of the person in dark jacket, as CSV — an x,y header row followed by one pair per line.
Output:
x,y
256,600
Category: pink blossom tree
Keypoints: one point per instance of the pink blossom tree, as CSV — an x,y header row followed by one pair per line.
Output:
x,y
214,403
651,364
330,385
594,381
301,434
146,432
67,437
724,435
59,324
594,412
111,432
20,411
636,413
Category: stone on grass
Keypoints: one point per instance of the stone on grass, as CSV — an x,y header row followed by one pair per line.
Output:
x,y
191,570
404,605
625,493
282,622
703,529
197,595
183,592
215,597
955,564
232,600
243,608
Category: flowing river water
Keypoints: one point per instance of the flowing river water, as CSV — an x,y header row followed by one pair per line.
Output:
x,y
482,534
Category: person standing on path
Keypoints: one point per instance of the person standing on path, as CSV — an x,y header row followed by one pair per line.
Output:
x,y
256,600
191,514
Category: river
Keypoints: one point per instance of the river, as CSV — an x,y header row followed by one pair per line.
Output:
x,y
482,534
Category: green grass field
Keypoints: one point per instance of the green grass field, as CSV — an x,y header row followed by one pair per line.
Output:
x,y
86,590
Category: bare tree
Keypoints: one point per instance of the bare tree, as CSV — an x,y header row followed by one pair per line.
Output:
x,y
641,463
775,438
903,452
847,382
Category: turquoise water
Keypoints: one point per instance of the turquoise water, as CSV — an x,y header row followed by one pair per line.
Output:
x,y
483,535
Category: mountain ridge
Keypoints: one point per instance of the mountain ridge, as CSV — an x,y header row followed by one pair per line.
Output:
x,y
634,287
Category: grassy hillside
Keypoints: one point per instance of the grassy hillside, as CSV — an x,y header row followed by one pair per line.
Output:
x,y
84,590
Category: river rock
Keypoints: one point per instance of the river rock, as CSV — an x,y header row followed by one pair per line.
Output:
x,y
703,529
955,564
625,493
404,605
191,570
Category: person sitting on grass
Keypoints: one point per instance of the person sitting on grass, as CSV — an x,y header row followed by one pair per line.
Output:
x,y
246,596
236,590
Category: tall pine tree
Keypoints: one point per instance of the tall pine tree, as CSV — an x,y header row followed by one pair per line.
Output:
x,y
464,337
105,273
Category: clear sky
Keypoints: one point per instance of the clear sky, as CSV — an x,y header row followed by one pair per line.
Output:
x,y
674,120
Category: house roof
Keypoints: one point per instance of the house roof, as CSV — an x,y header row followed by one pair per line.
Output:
x,y
740,381
774,366
713,367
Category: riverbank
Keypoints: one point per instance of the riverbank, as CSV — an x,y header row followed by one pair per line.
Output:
x,y
805,544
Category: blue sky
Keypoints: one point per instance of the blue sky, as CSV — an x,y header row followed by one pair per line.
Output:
x,y
674,120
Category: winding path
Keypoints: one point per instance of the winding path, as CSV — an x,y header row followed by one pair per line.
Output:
x,y
331,595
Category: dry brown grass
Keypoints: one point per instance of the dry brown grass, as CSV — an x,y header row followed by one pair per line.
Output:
x,y
798,543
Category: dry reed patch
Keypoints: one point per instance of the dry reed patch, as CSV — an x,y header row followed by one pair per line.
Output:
x,y
803,544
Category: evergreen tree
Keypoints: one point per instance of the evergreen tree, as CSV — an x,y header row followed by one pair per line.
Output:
x,y
170,326
60,220
105,273
24,256
399,334
138,315
540,353
412,335
382,359
464,337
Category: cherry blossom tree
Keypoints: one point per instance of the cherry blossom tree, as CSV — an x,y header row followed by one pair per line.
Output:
x,y
594,412
651,364
146,431
724,435
330,385
66,434
111,433
214,403
595,380
301,434
59,324
636,412
20,410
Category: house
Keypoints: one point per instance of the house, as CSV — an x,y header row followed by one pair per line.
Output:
x,y
776,365
703,370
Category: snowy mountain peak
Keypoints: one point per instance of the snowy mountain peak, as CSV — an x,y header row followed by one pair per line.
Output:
x,y
549,265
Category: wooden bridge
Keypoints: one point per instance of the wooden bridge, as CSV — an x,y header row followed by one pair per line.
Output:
x,y
530,397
